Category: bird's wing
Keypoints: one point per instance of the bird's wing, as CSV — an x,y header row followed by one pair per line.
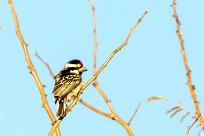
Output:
x,y
65,84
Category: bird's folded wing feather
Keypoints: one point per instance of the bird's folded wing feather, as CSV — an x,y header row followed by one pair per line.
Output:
x,y
65,84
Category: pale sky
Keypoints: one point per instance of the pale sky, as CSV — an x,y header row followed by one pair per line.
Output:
x,y
150,64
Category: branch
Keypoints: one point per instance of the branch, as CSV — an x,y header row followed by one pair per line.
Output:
x,y
136,110
45,63
96,75
95,109
188,71
95,84
189,127
95,39
32,68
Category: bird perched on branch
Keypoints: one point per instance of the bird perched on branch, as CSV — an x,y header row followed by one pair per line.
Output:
x,y
68,83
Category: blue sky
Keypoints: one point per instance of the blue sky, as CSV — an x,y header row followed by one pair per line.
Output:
x,y
151,64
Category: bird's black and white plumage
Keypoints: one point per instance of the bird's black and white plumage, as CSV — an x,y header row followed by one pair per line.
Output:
x,y
68,83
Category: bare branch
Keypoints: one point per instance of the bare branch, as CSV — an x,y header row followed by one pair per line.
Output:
x,y
96,75
182,119
95,84
95,39
189,127
95,109
188,71
32,68
45,63
133,115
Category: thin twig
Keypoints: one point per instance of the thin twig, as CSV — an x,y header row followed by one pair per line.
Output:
x,y
189,127
45,63
95,109
95,39
188,71
32,68
105,98
96,75
133,115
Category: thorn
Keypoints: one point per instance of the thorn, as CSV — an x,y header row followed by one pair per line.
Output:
x,y
26,44
193,87
30,72
108,101
44,86
45,95
94,84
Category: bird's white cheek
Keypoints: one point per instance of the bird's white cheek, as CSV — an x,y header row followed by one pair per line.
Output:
x,y
74,72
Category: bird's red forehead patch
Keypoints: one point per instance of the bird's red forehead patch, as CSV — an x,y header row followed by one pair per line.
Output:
x,y
81,64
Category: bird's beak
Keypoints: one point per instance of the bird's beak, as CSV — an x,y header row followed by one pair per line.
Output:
x,y
83,69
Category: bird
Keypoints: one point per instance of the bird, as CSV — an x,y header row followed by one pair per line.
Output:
x,y
68,83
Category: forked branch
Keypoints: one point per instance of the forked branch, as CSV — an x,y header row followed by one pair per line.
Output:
x,y
79,100
55,125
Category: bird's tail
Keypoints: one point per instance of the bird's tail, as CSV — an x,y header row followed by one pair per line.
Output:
x,y
60,110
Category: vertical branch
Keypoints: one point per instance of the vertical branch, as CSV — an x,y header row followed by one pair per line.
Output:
x,y
32,68
188,71
95,84
95,39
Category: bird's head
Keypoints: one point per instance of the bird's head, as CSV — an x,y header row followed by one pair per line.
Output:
x,y
75,66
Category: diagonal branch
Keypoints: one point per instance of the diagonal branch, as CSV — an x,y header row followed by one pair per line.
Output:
x,y
32,68
95,109
188,71
133,115
68,109
45,63
189,127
